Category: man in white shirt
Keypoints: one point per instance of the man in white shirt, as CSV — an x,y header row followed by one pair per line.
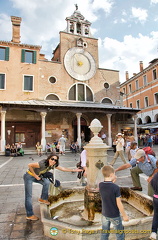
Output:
x,y
62,142
119,149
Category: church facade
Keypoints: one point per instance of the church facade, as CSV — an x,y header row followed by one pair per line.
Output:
x,y
40,100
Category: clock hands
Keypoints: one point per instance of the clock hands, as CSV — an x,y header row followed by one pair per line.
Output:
x,y
79,62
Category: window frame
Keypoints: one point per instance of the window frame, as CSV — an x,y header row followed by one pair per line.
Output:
x,y
154,74
4,81
85,92
52,99
112,103
27,75
155,94
23,56
52,77
146,101
130,88
137,84
138,103
145,83
6,54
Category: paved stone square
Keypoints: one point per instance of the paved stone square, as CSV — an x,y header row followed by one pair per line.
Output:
x,y
13,223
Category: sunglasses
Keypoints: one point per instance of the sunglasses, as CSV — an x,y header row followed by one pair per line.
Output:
x,y
54,159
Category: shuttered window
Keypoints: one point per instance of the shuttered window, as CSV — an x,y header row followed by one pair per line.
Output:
x,y
28,56
4,53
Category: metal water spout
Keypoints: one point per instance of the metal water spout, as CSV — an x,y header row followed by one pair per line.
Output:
x,y
96,159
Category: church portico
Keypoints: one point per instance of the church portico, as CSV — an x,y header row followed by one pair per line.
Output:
x,y
45,121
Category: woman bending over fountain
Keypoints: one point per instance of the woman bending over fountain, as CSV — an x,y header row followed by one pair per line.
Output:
x,y
111,205
33,174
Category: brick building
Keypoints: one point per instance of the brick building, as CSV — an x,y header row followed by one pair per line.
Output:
x,y
141,91
42,99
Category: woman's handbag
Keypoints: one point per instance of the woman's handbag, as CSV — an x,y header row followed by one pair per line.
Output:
x,y
54,187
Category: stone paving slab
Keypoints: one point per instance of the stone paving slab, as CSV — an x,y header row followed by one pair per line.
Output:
x,y
13,224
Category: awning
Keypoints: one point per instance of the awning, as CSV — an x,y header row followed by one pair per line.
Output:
x,y
147,126
52,105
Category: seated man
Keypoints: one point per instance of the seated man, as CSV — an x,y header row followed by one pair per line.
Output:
x,y
144,164
48,147
7,150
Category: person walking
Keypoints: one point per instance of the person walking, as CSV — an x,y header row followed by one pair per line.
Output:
x,y
119,149
144,164
111,205
62,142
34,174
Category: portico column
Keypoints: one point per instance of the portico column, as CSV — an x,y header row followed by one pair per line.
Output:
x,y
75,28
43,139
135,128
79,128
68,26
109,130
3,140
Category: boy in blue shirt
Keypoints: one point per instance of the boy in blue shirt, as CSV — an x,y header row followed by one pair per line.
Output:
x,y
111,205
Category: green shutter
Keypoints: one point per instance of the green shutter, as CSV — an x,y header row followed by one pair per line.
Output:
x,y
34,57
22,55
7,53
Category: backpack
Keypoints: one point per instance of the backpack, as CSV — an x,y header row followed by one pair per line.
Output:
x,y
149,151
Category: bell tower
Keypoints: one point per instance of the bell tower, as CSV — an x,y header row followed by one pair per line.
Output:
x,y
76,24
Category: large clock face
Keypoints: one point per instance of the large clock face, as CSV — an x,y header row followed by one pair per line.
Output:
x,y
79,64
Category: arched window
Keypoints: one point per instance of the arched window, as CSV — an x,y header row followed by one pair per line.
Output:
x,y
52,97
147,119
139,121
156,118
80,92
107,101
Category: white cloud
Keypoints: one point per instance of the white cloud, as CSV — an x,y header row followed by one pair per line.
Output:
x,y
154,1
123,20
140,14
106,5
125,55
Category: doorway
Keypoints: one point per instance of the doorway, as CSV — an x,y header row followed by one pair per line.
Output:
x,y
84,128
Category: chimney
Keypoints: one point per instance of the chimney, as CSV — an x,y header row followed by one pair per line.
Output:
x,y
141,66
127,75
134,74
16,21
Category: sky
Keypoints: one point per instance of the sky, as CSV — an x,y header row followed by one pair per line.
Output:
x,y
127,30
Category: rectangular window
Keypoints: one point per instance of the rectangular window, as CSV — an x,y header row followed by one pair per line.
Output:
x,y
130,105
28,56
156,98
138,104
89,96
2,81
137,85
154,74
124,90
145,80
4,53
81,92
130,88
146,102
28,83
19,137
